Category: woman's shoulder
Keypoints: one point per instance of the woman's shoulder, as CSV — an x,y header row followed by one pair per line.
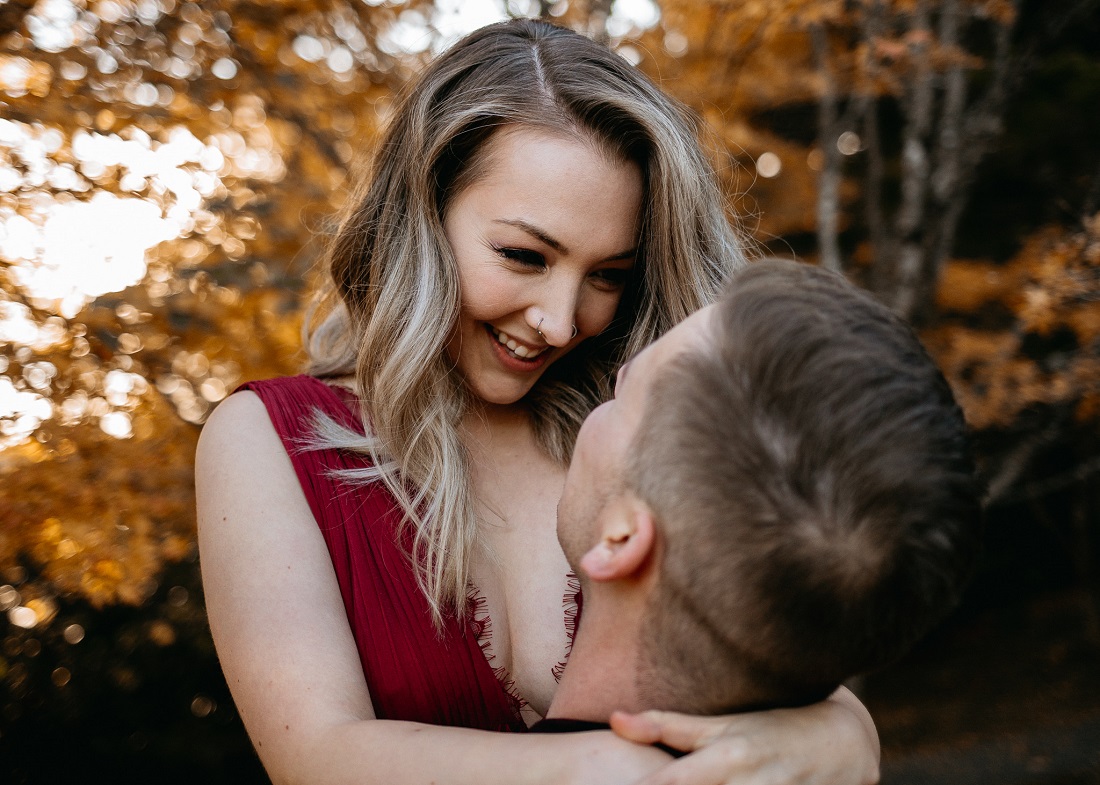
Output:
x,y
238,433
258,419
275,416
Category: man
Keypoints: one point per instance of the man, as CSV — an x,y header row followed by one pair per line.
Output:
x,y
778,498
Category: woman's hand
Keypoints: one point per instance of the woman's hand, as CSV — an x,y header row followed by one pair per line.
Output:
x,y
602,758
829,743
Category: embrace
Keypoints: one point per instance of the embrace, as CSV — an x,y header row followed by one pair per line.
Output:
x,y
571,489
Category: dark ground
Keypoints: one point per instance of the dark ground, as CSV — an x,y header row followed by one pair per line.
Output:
x,y
1009,696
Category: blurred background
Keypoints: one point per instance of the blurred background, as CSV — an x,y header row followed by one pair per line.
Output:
x,y
168,170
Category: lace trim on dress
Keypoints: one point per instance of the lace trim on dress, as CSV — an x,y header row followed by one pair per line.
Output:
x,y
477,616
571,603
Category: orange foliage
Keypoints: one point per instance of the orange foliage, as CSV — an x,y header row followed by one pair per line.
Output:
x,y
967,285
1052,287
99,516
267,105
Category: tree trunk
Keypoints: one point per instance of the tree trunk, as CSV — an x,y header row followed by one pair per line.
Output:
x,y
828,182
903,287
873,213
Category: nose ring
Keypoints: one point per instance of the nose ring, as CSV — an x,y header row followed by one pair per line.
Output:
x,y
539,331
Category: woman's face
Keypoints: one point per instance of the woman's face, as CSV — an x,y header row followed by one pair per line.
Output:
x,y
544,240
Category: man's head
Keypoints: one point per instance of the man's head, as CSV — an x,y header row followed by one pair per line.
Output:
x,y
785,478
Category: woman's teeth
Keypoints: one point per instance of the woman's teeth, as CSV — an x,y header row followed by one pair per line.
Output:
x,y
516,348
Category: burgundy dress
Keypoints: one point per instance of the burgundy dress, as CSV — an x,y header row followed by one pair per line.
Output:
x,y
413,672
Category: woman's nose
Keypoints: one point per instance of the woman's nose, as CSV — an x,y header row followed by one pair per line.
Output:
x,y
554,314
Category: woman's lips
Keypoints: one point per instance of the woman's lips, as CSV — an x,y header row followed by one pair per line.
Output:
x,y
518,348
508,350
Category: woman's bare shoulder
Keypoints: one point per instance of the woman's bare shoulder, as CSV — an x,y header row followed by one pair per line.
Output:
x,y
239,414
244,478
240,436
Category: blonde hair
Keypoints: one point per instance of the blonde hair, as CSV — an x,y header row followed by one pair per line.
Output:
x,y
392,295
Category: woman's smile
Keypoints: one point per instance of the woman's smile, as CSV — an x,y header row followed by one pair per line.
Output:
x,y
515,355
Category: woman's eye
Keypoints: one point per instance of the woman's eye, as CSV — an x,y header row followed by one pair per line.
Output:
x,y
612,277
523,257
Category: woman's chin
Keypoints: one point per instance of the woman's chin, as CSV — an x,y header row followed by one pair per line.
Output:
x,y
503,389
501,399
501,395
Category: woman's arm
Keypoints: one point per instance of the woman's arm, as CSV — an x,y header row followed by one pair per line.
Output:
x,y
289,657
830,743
846,698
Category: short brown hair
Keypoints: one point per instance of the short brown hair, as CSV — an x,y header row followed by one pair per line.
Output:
x,y
810,473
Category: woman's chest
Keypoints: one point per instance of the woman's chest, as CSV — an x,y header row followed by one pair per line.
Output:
x,y
522,575
518,568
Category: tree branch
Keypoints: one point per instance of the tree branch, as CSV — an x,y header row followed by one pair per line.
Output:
x,y
980,126
598,12
13,13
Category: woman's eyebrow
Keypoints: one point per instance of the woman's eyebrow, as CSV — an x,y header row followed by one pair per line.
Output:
x,y
628,254
535,232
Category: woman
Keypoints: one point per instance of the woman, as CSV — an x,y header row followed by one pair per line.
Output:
x,y
538,211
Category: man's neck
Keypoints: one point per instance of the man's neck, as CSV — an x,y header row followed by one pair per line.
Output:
x,y
601,675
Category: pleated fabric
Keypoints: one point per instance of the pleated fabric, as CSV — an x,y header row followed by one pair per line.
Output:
x,y
413,671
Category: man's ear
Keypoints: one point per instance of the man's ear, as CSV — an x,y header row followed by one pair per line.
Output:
x,y
627,540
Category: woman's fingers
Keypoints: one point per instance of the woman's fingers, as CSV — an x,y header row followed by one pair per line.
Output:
x,y
680,731
636,727
823,744
807,746
725,762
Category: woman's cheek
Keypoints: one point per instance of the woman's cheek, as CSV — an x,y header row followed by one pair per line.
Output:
x,y
604,313
488,297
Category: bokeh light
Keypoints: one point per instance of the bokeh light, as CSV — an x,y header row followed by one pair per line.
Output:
x,y
849,143
768,165
22,616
